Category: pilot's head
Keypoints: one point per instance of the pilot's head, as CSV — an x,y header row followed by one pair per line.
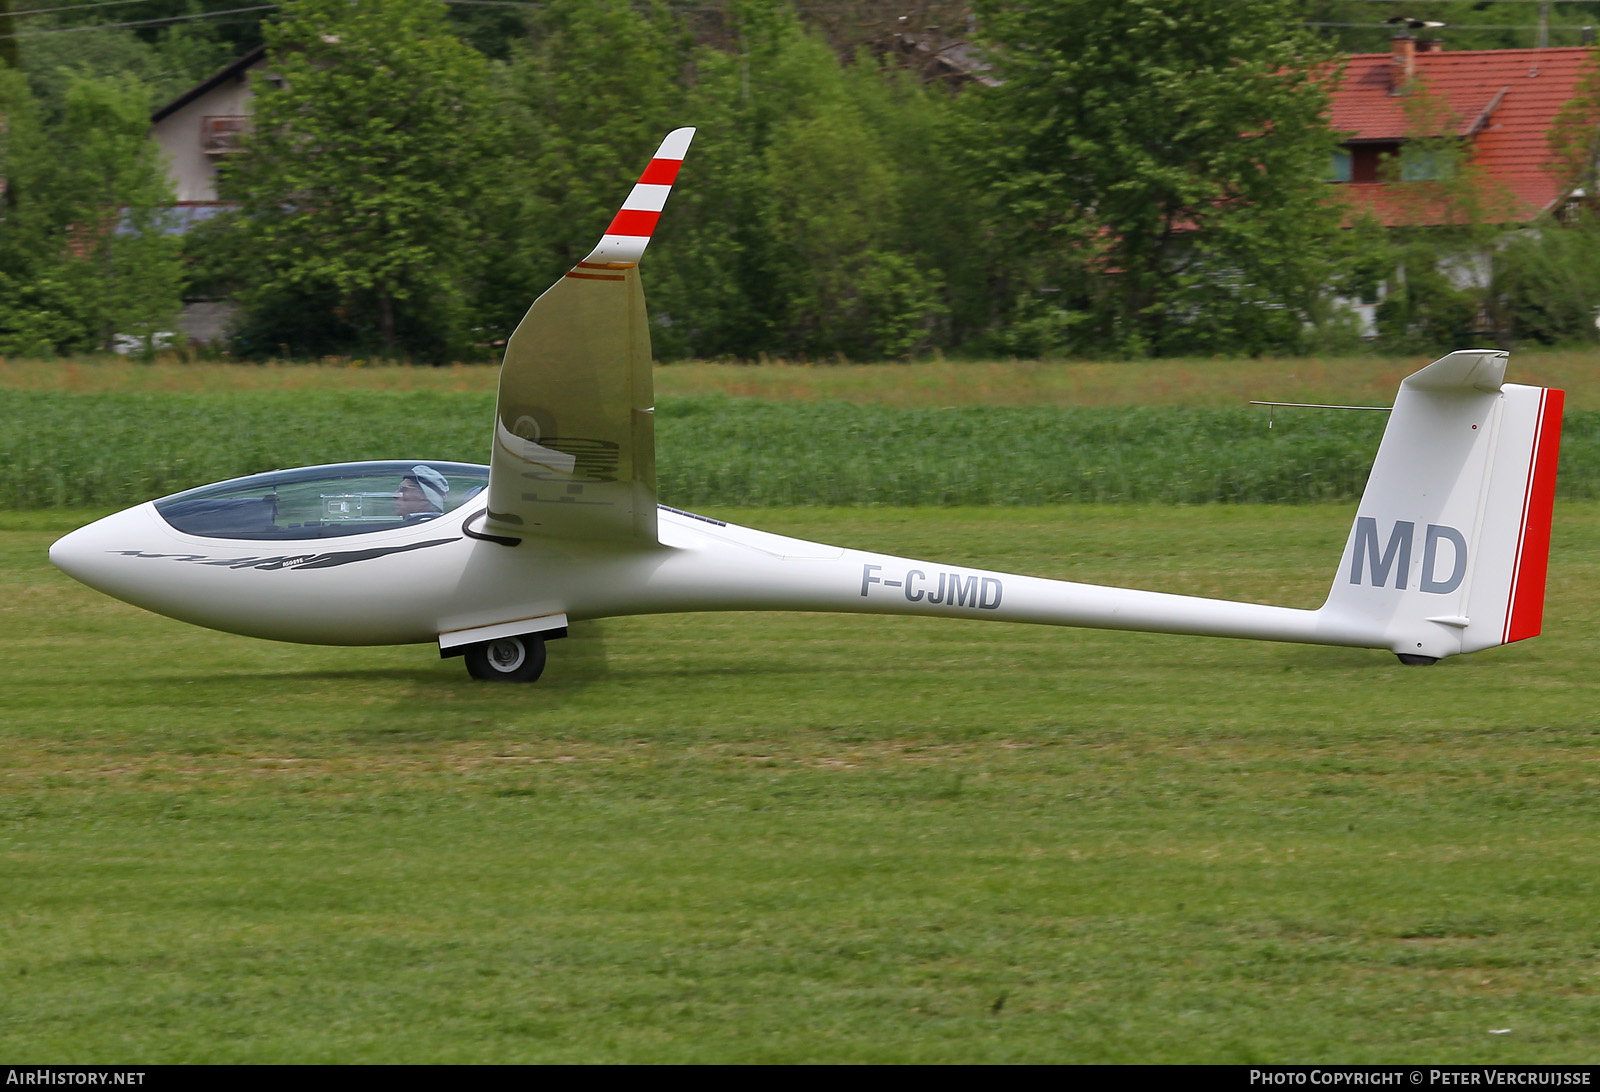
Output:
x,y
422,492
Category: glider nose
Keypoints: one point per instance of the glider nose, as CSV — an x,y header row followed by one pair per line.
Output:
x,y
70,553
86,554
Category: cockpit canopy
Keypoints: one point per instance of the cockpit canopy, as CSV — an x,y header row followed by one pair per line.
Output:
x,y
325,501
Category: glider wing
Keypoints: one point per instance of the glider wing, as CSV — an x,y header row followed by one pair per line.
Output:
x,y
574,433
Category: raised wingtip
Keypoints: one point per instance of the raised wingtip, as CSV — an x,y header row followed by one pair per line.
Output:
x,y
676,144
625,240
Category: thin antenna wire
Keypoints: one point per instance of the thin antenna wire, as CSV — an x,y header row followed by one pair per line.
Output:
x,y
76,7
137,22
1310,405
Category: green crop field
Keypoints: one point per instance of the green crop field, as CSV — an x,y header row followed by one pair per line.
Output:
x,y
809,838
112,433
121,448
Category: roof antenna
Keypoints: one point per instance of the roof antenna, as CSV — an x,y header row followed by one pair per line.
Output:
x,y
1408,23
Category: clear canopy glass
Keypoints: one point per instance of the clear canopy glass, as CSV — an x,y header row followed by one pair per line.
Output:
x,y
325,501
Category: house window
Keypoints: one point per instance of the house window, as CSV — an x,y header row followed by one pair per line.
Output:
x,y
220,133
1339,169
1366,160
1427,164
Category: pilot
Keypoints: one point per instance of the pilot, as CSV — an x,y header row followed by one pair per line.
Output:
x,y
421,495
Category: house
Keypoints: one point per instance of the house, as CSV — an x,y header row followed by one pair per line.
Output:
x,y
1497,107
1477,124
196,131
203,125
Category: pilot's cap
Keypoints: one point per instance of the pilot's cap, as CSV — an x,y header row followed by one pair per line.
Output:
x,y
431,482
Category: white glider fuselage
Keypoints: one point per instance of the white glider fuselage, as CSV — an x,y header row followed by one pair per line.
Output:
x,y
1447,553
420,582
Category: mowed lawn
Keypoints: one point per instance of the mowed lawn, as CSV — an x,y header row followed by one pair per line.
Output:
x,y
809,838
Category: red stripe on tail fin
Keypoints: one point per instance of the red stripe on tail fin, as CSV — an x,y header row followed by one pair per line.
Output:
x,y
1525,616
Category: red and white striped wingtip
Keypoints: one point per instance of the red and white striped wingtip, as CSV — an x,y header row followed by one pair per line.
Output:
x,y
630,230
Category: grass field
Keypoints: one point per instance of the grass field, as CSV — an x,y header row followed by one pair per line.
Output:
x,y
930,384
808,838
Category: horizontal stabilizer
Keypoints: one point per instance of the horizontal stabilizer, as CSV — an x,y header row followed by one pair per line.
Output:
x,y
1467,369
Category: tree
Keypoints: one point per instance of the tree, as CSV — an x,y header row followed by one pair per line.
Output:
x,y
360,181
1161,164
37,302
586,98
182,55
1547,277
848,282
8,40
1448,220
119,200
1547,282
824,215
84,251
1574,136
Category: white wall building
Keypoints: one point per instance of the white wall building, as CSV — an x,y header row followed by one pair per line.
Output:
x,y
202,125
195,131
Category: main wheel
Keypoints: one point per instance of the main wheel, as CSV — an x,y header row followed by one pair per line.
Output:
x,y
510,659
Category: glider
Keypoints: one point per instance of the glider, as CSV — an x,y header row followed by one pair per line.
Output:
x,y
1447,553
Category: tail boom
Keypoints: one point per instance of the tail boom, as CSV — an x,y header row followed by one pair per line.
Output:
x,y
1448,552
713,566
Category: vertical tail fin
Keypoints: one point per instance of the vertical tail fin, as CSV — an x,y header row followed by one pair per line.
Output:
x,y
1450,545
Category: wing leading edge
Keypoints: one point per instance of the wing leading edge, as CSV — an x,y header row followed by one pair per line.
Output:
x,y
574,436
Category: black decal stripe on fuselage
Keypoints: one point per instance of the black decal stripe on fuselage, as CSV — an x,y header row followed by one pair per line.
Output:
x,y
292,561
504,540
329,561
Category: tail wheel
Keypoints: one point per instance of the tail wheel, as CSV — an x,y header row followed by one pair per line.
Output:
x,y
509,659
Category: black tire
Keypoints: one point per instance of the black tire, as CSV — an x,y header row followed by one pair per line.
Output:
x,y
510,659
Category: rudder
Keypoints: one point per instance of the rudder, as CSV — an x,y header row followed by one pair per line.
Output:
x,y
1450,545
1507,602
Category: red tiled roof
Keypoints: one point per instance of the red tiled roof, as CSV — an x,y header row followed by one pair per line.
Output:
x,y
1504,101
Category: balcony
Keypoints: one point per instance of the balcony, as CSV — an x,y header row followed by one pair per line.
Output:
x,y
220,133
